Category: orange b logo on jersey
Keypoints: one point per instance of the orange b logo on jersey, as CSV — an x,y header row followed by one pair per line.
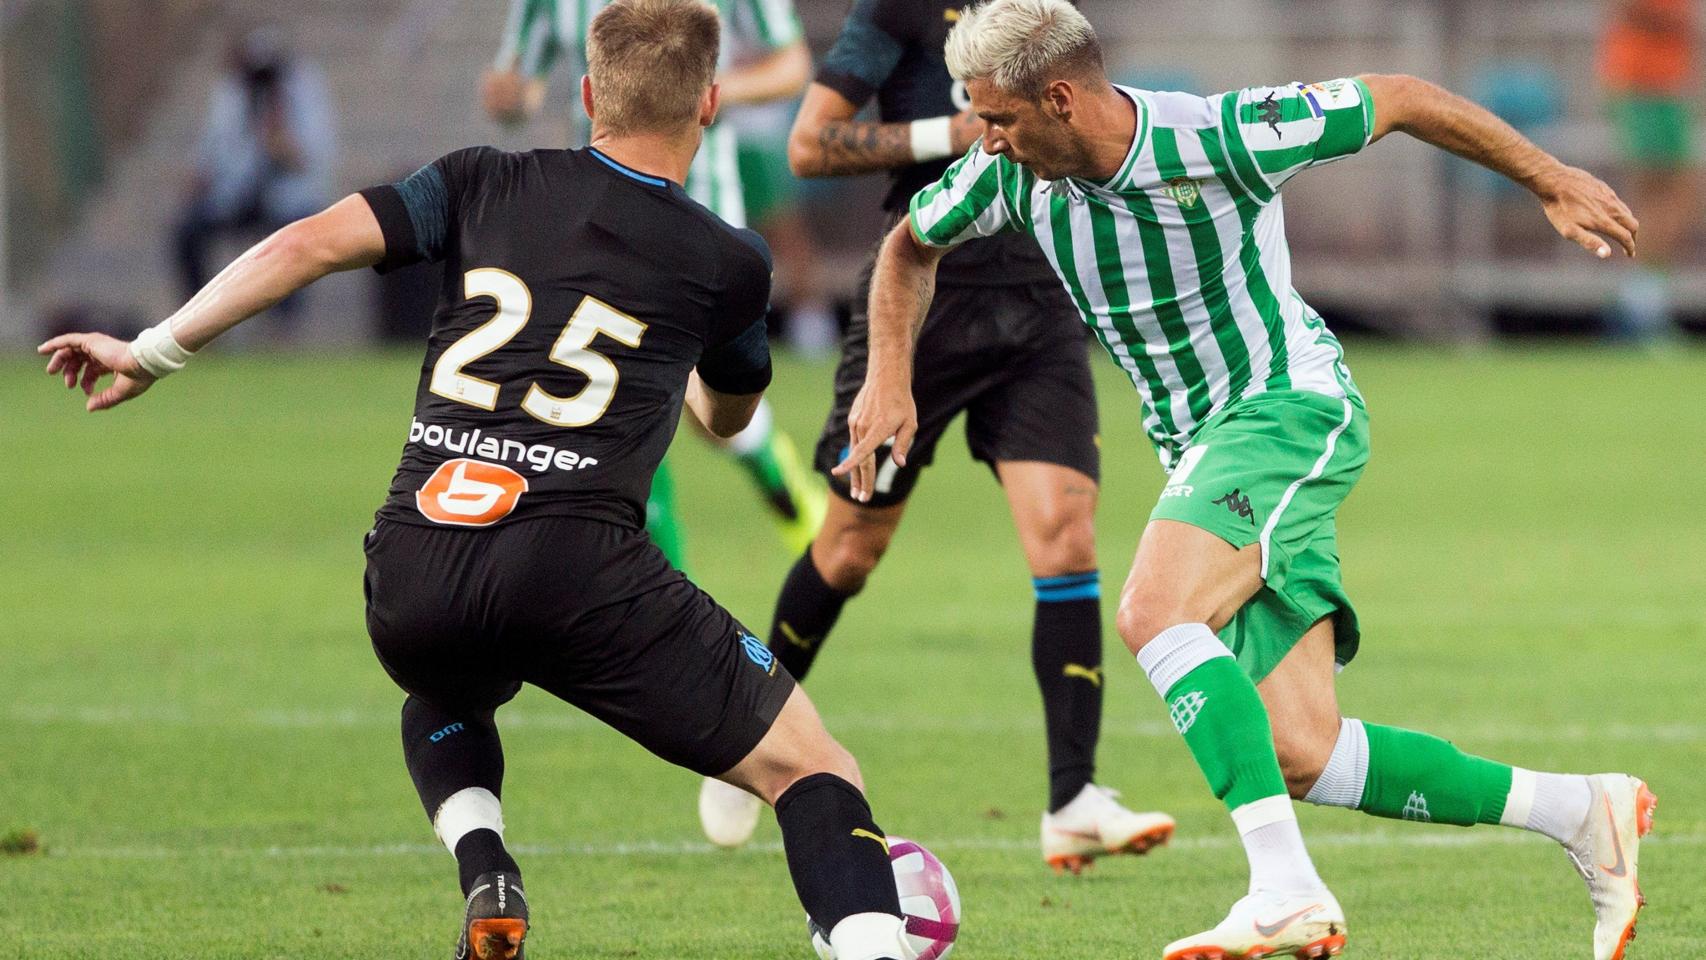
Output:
x,y
470,493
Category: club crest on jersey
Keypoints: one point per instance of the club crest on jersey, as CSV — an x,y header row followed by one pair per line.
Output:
x,y
1184,191
470,493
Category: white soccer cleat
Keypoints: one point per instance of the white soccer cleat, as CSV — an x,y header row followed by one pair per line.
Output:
x,y
1605,852
1270,925
1095,825
728,813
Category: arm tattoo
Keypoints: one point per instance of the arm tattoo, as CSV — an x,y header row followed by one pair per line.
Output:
x,y
858,146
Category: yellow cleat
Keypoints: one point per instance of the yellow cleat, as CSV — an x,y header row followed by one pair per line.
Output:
x,y
806,491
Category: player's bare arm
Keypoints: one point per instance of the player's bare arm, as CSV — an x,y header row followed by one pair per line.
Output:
x,y
777,75
828,142
902,287
345,236
509,96
723,414
1581,207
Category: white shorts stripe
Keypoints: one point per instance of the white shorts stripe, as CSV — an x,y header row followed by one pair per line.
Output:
x,y
1291,491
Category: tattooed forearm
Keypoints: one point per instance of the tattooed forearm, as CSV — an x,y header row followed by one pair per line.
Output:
x,y
848,147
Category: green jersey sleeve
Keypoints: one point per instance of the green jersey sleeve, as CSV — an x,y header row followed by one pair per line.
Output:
x,y
531,40
766,24
980,195
1273,132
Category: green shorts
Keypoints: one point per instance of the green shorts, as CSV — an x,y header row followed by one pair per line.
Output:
x,y
1655,132
1273,470
765,179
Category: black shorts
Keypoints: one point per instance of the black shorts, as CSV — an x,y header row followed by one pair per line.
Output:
x,y
588,611
1014,358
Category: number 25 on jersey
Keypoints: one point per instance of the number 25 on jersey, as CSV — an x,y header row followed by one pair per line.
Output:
x,y
573,349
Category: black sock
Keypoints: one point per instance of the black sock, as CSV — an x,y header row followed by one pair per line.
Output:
x,y
837,854
1066,653
447,753
806,610
480,852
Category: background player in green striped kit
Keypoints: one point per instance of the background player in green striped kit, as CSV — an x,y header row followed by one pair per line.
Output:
x,y
542,34
1161,214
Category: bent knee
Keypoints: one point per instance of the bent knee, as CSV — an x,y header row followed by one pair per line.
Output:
x,y
1144,614
1064,542
1302,758
846,559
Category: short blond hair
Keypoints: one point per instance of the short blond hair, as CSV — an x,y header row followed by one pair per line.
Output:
x,y
650,61
1023,45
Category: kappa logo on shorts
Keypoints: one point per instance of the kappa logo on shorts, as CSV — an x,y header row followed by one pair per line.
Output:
x,y
470,493
1239,504
758,653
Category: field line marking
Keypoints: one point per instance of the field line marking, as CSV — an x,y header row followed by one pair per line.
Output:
x,y
568,719
1421,839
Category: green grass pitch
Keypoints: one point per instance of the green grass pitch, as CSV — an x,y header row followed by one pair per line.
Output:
x,y
192,721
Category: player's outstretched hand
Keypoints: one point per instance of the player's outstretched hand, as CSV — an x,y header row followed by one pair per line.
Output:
x,y
880,414
1586,211
84,358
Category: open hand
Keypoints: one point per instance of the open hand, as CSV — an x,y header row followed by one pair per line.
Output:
x,y
84,358
1586,211
880,413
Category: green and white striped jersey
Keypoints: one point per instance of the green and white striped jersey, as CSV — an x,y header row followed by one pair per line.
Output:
x,y
1179,264
540,34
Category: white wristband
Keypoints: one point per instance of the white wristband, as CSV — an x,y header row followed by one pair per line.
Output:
x,y
932,139
158,352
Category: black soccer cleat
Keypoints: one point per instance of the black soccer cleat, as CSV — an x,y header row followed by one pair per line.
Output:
x,y
495,924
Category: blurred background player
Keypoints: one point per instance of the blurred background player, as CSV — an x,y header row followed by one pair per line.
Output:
x,y
264,157
541,34
1011,355
470,591
1648,64
1162,212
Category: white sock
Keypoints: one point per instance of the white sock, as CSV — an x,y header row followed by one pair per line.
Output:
x,y
1176,651
870,936
465,811
757,433
1554,804
1346,775
1279,862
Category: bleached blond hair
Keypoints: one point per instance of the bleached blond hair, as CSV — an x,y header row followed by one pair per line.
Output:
x,y
1022,45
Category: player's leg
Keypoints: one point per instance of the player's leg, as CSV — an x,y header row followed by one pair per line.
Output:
x,y
675,672
1407,775
1054,509
432,644
847,549
769,459
837,854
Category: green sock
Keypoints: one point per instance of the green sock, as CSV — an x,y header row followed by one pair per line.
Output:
x,y
1417,776
1216,708
663,521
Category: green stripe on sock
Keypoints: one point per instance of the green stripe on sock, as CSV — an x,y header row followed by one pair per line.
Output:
x,y
1418,776
1217,710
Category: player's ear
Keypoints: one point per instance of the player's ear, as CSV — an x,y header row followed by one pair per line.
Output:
x,y
1058,99
708,104
586,95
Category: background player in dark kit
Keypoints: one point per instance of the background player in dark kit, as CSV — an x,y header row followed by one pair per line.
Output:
x,y
1014,359
586,299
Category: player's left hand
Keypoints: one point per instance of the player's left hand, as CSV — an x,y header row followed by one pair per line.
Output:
x,y
1586,211
880,413
84,358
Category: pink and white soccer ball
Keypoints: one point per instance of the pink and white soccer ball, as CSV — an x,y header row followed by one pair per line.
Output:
x,y
928,898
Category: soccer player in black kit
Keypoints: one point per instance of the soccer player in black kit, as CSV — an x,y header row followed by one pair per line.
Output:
x,y
586,299
1013,357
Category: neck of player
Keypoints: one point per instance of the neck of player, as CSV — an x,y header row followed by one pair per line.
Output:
x,y
1112,121
655,154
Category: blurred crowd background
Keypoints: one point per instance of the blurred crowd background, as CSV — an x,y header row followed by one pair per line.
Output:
x,y
146,142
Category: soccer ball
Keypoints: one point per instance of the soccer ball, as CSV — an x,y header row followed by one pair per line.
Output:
x,y
928,898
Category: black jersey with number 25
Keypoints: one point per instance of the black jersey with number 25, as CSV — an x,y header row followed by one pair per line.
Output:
x,y
578,295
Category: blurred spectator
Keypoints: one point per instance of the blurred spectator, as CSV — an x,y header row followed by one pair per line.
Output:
x,y
265,155
1647,64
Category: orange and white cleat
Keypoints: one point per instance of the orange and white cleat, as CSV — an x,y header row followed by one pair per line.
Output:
x,y
495,923
1095,825
1606,852
1307,926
